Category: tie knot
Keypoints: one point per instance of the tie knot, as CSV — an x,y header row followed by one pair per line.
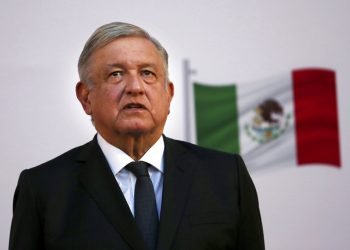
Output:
x,y
138,168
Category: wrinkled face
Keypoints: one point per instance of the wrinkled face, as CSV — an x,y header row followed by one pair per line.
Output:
x,y
129,95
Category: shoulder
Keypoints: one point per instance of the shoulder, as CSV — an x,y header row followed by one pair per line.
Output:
x,y
199,151
67,162
59,175
212,166
204,157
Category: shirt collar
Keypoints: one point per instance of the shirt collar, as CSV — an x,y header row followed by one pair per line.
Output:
x,y
118,159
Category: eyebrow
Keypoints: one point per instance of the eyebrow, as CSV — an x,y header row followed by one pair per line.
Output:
x,y
143,65
114,65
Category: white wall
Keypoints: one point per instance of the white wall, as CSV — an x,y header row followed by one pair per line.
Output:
x,y
227,40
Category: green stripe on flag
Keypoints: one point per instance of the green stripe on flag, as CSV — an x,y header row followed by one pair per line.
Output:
x,y
217,117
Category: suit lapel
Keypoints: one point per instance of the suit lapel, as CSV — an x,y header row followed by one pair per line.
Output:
x,y
98,180
179,172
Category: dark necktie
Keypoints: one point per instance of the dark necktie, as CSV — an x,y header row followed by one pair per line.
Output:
x,y
145,206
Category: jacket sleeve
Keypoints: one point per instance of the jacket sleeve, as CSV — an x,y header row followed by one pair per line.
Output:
x,y
26,230
250,230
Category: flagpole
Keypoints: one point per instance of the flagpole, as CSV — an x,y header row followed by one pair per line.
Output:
x,y
189,105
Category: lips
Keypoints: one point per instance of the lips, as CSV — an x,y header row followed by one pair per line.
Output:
x,y
134,106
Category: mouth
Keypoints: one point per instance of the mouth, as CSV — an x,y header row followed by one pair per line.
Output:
x,y
134,106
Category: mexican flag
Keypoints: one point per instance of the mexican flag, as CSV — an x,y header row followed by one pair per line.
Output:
x,y
289,120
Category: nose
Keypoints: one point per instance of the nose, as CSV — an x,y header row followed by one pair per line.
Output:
x,y
134,85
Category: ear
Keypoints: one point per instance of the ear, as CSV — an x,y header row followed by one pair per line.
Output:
x,y
83,92
170,93
170,89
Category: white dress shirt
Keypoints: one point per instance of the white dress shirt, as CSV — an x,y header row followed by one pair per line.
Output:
x,y
117,160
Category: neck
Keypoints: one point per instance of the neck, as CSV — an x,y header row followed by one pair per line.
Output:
x,y
134,145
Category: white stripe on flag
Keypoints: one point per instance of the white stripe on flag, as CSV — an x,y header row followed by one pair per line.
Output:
x,y
275,152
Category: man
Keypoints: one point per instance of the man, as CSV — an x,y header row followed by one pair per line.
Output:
x,y
89,197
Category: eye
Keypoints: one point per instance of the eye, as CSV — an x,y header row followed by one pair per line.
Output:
x,y
117,74
148,75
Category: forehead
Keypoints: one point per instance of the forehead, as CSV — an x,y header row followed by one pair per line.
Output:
x,y
128,50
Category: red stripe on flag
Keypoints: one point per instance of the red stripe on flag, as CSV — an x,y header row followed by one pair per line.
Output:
x,y
316,117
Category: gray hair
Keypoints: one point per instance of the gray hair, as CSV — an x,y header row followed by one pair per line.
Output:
x,y
107,34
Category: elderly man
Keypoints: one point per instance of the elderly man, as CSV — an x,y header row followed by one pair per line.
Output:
x,y
131,187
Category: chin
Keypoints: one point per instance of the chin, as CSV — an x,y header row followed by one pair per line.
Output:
x,y
136,130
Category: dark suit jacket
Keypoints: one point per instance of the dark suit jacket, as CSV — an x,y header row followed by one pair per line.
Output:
x,y
74,202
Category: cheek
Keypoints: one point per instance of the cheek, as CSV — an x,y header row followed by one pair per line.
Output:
x,y
111,93
163,105
106,98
